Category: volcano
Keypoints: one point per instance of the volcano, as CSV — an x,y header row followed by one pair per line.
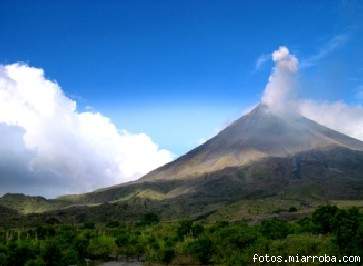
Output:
x,y
259,134
264,155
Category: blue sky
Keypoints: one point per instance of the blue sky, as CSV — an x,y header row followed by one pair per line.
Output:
x,y
181,70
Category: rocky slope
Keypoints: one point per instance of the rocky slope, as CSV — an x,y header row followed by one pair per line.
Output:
x,y
259,134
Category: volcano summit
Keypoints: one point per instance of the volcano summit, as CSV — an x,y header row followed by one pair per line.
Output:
x,y
259,134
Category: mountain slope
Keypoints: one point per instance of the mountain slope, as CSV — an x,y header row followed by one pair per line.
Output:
x,y
263,148
305,180
257,135
260,156
28,204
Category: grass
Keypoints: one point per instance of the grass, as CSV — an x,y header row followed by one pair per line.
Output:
x,y
344,204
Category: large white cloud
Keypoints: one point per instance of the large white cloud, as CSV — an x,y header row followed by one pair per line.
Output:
x,y
337,115
280,96
77,151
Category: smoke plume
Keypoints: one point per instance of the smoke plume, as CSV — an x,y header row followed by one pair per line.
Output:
x,y
280,88
280,96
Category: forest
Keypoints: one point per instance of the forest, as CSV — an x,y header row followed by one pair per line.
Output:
x,y
328,230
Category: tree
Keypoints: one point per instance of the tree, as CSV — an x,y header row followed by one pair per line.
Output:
x,y
3,255
184,229
196,229
346,225
35,262
358,241
113,224
122,239
89,225
150,218
274,229
44,231
52,254
305,225
80,245
3,259
324,219
20,252
70,256
101,247
168,255
201,249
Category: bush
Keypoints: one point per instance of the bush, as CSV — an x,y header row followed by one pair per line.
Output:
x,y
52,254
89,225
346,226
274,229
3,255
113,224
150,218
186,242
305,225
196,230
168,255
201,249
20,252
80,245
184,229
101,247
35,262
324,219
358,241
122,239
70,257
3,259
44,231
236,237
302,244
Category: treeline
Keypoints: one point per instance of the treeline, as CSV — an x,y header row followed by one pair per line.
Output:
x,y
329,230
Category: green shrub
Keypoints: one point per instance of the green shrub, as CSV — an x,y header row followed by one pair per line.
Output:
x,y
196,230
35,262
201,249
3,259
101,247
324,219
51,253
89,225
19,252
346,225
168,255
274,229
149,218
184,229
306,225
113,224
122,239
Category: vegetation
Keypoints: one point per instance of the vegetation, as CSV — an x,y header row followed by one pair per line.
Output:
x,y
329,230
27,204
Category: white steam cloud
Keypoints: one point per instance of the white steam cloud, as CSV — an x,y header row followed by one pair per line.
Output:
x,y
280,96
280,87
51,148
336,115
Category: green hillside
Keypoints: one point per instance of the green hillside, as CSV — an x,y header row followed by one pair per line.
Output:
x,y
27,204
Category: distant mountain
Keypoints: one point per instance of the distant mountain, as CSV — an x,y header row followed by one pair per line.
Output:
x,y
28,204
262,156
